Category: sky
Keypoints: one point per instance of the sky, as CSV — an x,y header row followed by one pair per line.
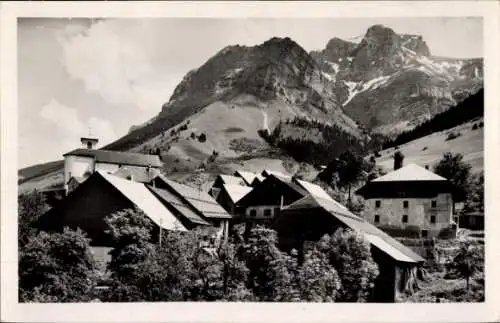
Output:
x,y
81,76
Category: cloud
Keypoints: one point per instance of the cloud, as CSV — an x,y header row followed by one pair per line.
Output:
x,y
71,127
114,60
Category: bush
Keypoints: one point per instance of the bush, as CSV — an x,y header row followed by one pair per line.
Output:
x,y
425,148
183,127
30,207
57,267
452,135
349,253
474,127
202,137
481,124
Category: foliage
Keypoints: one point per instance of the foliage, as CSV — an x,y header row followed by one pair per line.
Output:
x,y
271,271
349,253
468,261
398,159
130,231
469,109
57,267
334,140
453,168
475,194
452,135
30,207
317,280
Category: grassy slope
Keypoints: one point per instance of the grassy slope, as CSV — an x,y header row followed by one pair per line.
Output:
x,y
469,144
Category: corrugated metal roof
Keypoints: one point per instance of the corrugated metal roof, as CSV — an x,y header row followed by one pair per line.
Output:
x,y
232,180
178,204
138,194
118,157
359,224
142,175
236,192
411,172
200,200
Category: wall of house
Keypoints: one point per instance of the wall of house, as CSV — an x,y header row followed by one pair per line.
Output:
x,y
108,167
419,212
77,166
260,211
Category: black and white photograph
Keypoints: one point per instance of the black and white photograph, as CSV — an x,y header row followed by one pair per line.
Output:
x,y
251,160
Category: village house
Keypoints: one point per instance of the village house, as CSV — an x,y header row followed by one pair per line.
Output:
x,y
266,199
411,197
170,206
313,216
222,180
80,163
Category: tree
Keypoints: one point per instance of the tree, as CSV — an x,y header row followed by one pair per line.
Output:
x,y
350,170
468,261
130,231
475,195
398,160
271,271
349,253
453,168
57,267
202,138
30,207
317,280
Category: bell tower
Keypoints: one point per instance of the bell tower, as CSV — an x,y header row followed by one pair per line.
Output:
x,y
89,142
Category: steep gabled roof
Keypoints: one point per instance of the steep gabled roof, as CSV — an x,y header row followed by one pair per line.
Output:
x,y
232,180
285,177
118,157
375,236
141,175
248,177
411,172
175,202
139,195
236,192
198,199
318,191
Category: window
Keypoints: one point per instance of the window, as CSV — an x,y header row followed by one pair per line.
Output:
x,y
377,218
253,213
405,204
433,219
377,203
433,203
405,218
268,212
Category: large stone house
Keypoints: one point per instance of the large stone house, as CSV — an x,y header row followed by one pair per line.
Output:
x,y
411,198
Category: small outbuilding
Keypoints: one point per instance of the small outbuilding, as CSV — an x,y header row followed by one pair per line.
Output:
x,y
311,217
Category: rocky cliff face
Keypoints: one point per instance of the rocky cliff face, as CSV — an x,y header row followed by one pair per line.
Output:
x,y
278,69
390,82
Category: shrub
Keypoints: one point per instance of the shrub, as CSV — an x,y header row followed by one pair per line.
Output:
x,y
481,124
202,137
468,261
425,148
183,127
474,127
452,135
30,207
349,253
57,267
193,135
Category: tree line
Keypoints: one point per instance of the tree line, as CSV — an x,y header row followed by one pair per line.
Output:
x,y
467,110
